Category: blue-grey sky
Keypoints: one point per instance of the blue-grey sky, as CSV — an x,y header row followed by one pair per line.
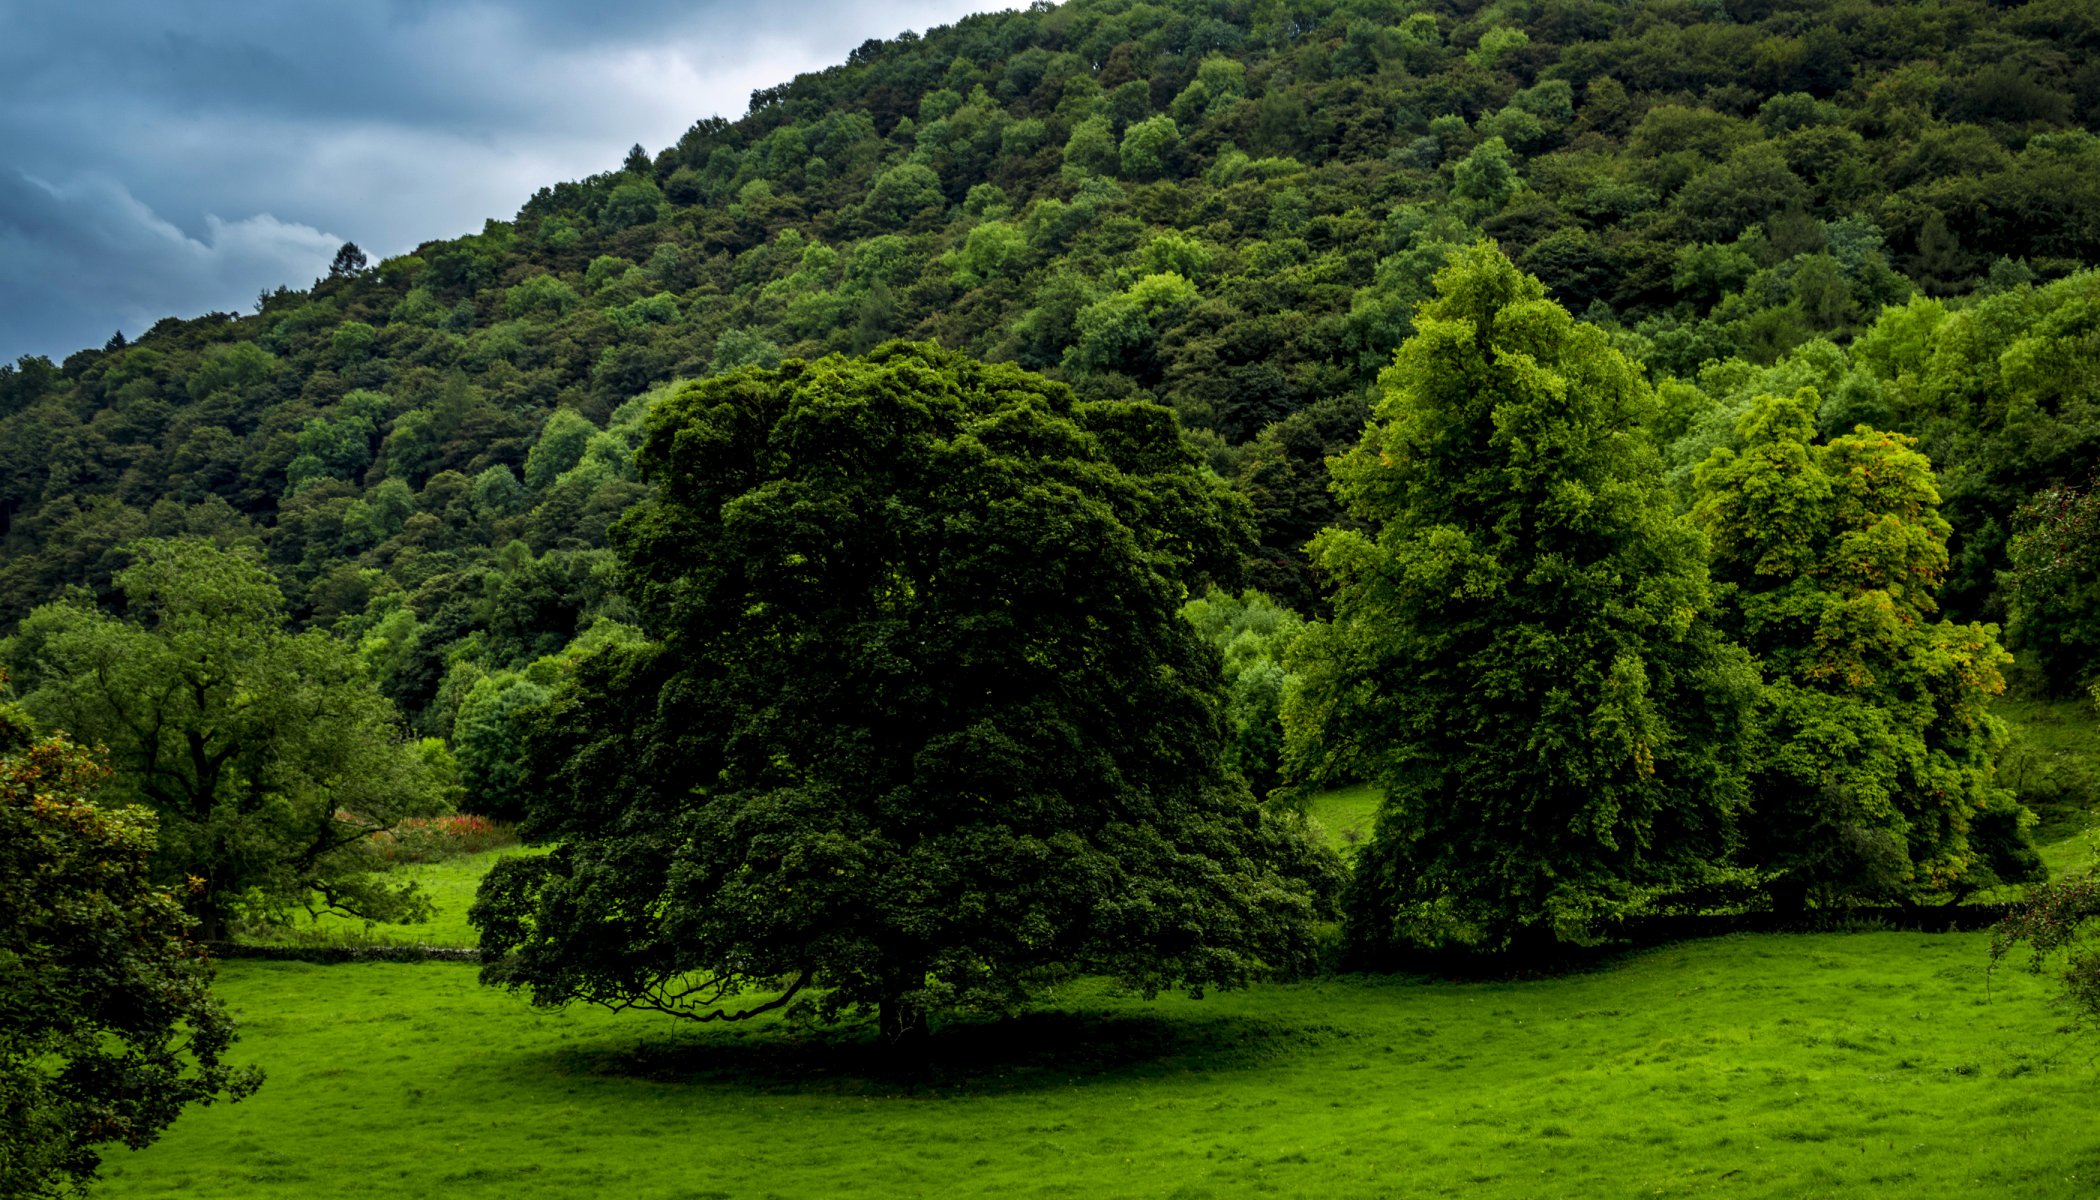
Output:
x,y
172,157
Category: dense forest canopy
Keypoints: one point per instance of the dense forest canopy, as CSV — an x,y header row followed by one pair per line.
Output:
x,y
1229,206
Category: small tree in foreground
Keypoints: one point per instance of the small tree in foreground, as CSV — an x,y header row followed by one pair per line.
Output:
x,y
107,1023
922,728
1519,657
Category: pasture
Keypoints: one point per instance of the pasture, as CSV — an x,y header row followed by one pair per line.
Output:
x,y
1775,1065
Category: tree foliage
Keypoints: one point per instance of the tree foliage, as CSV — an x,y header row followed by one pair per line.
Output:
x,y
1255,635
108,1027
1519,657
921,727
2052,587
1876,776
1708,186
2057,922
268,758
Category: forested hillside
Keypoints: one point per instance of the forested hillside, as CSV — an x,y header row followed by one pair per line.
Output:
x,y
1230,205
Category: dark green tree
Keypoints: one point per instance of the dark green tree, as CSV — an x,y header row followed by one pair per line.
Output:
x,y
2052,588
922,728
108,1027
488,736
349,262
1518,657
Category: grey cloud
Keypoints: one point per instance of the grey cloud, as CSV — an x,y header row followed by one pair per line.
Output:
x,y
235,132
79,262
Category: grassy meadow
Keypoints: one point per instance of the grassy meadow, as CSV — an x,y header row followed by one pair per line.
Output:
x,y
1863,1064
1776,1065
449,883
2054,764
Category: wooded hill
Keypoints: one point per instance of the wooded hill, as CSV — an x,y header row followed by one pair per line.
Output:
x,y
1230,206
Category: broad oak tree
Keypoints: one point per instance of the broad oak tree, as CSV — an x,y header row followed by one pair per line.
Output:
x,y
269,757
107,1022
1875,777
921,727
1518,657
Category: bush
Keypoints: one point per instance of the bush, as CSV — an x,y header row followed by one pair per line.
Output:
x,y
436,839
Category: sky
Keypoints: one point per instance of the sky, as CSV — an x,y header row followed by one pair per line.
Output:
x,y
175,157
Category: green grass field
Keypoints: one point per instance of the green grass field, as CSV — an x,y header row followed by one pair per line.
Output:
x,y
1878,1064
2054,763
1869,1064
1345,814
449,884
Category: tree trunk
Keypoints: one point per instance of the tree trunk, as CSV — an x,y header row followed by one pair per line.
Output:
x,y
211,914
902,1020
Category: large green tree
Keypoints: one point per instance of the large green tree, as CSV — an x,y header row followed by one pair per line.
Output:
x,y
1876,778
107,1022
921,727
269,757
1519,657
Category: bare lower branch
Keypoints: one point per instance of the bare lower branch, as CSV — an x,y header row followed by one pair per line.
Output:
x,y
671,1003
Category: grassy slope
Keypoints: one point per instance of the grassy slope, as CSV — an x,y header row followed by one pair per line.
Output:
x,y
2056,761
1345,814
450,886
1868,1064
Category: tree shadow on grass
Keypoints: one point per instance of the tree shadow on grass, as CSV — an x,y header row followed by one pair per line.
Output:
x,y
1029,1052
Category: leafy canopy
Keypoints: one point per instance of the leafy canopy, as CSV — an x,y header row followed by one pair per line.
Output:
x,y
1517,657
268,757
107,1022
922,727
1876,778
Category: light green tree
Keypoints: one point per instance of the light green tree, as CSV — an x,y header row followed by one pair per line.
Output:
x,y
1092,146
903,195
269,758
560,446
1120,331
1875,779
1487,177
1518,657
1151,148
1254,634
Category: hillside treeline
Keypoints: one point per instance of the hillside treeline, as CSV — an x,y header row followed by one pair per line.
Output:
x,y
1230,207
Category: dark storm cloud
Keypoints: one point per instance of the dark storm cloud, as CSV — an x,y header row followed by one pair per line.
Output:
x,y
79,262
168,157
